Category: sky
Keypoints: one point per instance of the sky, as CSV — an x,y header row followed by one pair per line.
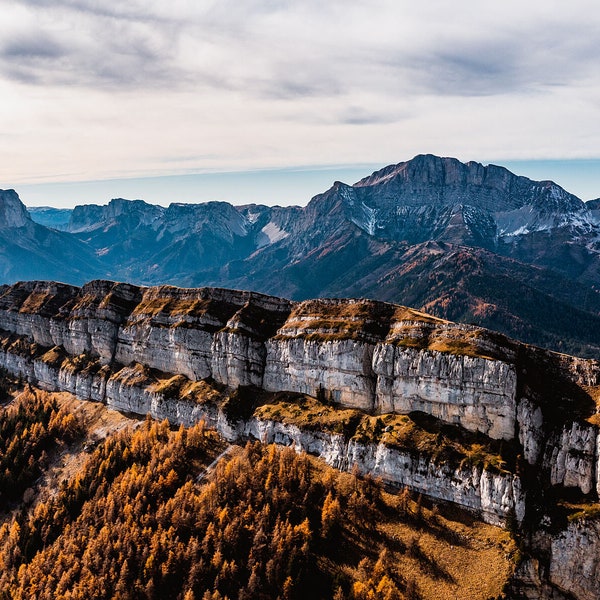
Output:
x,y
272,100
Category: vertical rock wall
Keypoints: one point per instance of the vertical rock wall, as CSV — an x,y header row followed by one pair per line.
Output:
x,y
345,351
473,392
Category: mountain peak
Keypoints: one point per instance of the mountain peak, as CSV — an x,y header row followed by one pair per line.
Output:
x,y
93,216
391,236
13,212
145,212
432,180
427,168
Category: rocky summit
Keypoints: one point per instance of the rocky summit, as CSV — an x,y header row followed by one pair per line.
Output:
x,y
464,415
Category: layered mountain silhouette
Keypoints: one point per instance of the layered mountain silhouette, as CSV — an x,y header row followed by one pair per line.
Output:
x,y
466,242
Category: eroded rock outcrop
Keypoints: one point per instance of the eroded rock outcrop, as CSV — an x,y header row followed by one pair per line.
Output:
x,y
354,353
575,560
373,356
474,392
496,495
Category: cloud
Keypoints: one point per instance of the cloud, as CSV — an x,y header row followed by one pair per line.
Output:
x,y
475,71
130,9
81,44
285,50
95,87
357,115
32,47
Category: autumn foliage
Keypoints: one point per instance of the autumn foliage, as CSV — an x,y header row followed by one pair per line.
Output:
x,y
145,518
31,428
136,523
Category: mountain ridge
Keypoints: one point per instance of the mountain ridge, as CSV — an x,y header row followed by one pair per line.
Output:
x,y
376,238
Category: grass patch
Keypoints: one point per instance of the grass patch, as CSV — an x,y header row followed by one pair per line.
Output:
x,y
179,387
340,319
455,339
54,357
442,443
416,433
46,302
178,302
438,550
580,510
594,394
308,413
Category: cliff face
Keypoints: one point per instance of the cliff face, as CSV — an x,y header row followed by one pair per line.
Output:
x,y
12,211
575,560
362,354
497,496
477,393
354,353
181,353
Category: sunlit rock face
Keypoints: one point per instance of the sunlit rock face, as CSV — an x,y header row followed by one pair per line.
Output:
x,y
363,354
339,370
476,393
575,560
12,211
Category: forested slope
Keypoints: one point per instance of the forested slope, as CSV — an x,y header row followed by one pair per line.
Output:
x,y
141,518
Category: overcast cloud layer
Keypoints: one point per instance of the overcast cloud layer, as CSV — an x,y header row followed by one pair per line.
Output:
x,y
92,89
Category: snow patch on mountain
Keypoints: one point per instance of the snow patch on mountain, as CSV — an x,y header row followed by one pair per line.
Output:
x,y
370,219
270,234
527,220
348,194
366,218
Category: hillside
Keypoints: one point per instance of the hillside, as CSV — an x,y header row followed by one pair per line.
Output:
x,y
137,515
56,218
29,250
461,415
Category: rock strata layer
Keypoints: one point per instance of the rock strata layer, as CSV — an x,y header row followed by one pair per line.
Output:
x,y
496,496
368,355
355,353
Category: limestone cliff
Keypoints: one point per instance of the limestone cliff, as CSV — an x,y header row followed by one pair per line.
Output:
x,y
524,420
494,494
373,356
357,353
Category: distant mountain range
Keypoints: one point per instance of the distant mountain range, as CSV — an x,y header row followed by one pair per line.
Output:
x,y
462,241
